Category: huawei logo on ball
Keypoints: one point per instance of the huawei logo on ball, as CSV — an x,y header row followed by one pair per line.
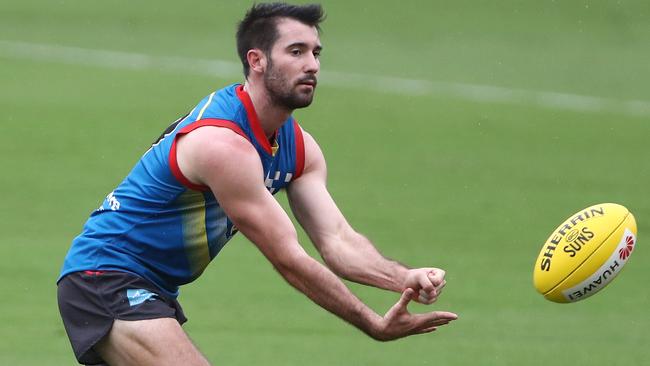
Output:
x,y
624,252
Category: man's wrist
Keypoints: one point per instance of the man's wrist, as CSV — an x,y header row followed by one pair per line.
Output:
x,y
402,273
368,321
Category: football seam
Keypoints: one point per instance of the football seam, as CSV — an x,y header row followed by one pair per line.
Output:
x,y
589,256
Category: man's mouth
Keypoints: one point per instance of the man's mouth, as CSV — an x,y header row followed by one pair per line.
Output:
x,y
311,81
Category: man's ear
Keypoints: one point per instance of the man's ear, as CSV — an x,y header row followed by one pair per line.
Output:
x,y
256,60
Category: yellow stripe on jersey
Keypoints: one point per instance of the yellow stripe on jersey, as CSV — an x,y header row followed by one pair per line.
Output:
x,y
275,147
205,106
194,231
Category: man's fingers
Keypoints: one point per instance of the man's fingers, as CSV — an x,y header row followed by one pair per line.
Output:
x,y
436,318
427,330
426,284
441,285
427,299
407,296
427,293
443,316
431,321
436,276
430,297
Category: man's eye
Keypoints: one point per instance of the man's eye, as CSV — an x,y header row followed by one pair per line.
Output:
x,y
296,52
317,54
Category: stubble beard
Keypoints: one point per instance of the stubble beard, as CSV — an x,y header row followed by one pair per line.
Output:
x,y
283,93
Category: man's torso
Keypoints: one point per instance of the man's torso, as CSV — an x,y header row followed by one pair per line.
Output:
x,y
162,227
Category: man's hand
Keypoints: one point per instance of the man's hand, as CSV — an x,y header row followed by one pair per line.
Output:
x,y
398,322
427,284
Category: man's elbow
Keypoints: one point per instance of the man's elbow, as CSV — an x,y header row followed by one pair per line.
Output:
x,y
289,257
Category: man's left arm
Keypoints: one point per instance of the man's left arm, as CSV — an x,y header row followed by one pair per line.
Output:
x,y
345,251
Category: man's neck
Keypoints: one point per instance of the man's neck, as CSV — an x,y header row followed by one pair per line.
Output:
x,y
271,116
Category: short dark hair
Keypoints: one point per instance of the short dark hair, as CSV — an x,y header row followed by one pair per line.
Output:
x,y
258,28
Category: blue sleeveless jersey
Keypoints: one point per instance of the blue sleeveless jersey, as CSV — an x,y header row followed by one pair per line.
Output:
x,y
159,225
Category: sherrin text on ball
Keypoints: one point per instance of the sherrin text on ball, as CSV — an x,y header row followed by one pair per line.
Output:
x,y
585,253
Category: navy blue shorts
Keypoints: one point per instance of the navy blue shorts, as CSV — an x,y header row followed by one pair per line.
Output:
x,y
90,301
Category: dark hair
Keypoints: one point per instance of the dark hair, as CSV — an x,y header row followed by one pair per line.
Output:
x,y
258,28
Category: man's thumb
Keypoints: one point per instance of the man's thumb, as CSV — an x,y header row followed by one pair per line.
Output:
x,y
407,296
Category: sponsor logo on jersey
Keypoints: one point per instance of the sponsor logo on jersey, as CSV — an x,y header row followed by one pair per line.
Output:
x,y
110,203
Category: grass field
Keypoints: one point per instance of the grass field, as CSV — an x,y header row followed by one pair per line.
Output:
x,y
458,134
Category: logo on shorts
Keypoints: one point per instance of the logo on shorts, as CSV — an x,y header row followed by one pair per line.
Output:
x,y
138,296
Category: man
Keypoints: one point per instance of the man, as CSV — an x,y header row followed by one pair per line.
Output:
x,y
209,175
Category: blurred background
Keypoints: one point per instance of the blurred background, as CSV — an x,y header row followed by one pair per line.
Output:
x,y
458,135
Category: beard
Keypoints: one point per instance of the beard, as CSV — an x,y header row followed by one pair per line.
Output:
x,y
285,94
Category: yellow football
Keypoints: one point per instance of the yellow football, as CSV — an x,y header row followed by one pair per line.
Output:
x,y
585,253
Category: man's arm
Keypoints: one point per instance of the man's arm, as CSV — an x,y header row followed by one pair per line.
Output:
x,y
230,166
348,253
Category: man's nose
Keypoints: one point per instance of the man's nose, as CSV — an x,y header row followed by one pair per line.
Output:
x,y
312,64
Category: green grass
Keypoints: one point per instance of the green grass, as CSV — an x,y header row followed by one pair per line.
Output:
x,y
472,187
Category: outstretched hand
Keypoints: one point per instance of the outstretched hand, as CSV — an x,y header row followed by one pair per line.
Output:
x,y
398,322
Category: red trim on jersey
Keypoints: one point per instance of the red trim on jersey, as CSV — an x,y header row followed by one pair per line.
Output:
x,y
258,131
300,150
94,273
173,163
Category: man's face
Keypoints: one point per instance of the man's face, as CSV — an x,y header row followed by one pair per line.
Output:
x,y
293,65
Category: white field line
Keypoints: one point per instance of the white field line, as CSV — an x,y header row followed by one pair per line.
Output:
x,y
387,84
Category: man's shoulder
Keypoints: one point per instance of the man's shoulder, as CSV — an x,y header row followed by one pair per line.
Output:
x,y
212,149
220,104
221,108
211,139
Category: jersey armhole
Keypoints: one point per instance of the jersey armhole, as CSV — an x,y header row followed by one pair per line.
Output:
x,y
300,150
173,162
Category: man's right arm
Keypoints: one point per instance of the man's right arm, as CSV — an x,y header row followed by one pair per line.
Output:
x,y
230,166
